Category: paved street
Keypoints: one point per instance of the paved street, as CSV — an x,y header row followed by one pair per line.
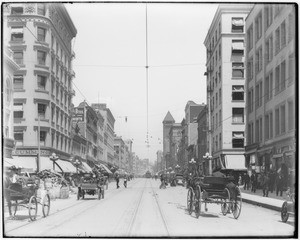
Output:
x,y
145,210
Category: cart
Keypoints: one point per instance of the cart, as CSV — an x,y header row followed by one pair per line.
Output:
x,y
23,193
288,207
218,190
91,185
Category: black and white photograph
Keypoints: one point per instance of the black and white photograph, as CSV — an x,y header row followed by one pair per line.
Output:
x,y
149,119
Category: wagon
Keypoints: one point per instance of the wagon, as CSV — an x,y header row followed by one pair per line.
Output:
x,y
91,185
288,207
218,190
23,193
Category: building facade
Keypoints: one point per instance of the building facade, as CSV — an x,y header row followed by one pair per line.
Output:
x,y
175,136
271,88
167,124
202,140
159,161
119,154
40,37
225,84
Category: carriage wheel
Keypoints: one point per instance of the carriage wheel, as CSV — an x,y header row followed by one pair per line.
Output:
x,y
198,201
284,212
46,205
32,207
190,197
99,193
237,203
225,202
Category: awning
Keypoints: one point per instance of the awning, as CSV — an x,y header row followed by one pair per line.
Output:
x,y
104,168
28,164
66,166
237,22
17,30
86,167
236,162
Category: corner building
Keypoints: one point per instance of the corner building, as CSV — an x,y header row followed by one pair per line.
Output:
x,y
225,84
271,88
40,37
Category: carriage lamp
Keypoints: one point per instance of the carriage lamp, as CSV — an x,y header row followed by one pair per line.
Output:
x,y
53,158
192,161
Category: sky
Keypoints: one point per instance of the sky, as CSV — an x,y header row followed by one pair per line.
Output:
x,y
110,49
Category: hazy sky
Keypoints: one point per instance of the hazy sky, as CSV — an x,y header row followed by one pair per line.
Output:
x,y
110,50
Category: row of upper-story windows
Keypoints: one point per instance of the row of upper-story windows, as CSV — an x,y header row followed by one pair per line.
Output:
x,y
41,9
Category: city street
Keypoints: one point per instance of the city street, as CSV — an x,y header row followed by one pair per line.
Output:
x,y
143,209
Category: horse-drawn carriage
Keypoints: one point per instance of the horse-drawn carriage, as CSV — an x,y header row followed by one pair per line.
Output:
x,y
23,193
218,190
288,206
91,184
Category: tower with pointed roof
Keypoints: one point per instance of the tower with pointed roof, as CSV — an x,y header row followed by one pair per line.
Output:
x,y
167,124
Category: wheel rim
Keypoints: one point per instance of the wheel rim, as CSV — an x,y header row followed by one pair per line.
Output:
x,y
46,205
190,201
32,206
284,212
198,201
225,202
237,204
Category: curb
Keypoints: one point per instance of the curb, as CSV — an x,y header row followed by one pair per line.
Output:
x,y
260,204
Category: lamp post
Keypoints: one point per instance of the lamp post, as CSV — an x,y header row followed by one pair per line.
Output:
x,y
53,158
209,158
77,163
177,167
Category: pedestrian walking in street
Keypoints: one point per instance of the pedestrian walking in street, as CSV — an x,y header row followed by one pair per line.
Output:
x,y
117,178
125,181
246,181
253,182
265,184
163,181
279,185
272,177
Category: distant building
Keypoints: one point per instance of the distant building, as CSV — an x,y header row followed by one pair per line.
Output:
x,y
226,74
202,140
159,161
119,152
167,124
271,79
40,37
175,135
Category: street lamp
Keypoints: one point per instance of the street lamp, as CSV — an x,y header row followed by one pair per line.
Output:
x,y
77,163
209,158
53,158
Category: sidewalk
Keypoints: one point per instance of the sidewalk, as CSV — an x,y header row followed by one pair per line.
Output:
x,y
271,202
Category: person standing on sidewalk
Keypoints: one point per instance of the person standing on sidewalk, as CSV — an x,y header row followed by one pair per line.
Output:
x,y
253,182
279,185
117,178
265,184
272,177
246,181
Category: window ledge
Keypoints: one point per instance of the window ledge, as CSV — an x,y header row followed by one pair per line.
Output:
x,y
41,66
42,91
238,78
19,90
44,43
238,101
18,120
237,123
42,120
17,42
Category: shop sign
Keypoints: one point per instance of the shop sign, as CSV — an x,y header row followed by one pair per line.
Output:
x,y
30,152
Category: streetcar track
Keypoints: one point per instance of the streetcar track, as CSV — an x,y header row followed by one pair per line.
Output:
x,y
160,210
93,204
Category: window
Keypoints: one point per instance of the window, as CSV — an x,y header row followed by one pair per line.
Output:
x,y
43,135
61,96
257,131
42,110
277,79
216,98
18,82
258,26
277,127
41,9
220,74
18,136
237,139
18,110
258,94
277,40
250,100
52,41
250,134
282,72
291,116
18,57
57,116
57,47
269,49
258,60
283,34
52,140
238,115
16,33
52,113
269,86
291,68
57,90
291,30
260,129
237,25
41,82
17,10
267,130
220,53
282,120
238,93
268,16
220,117
250,38
237,70
52,86
220,140
220,95
57,67
250,69
41,34
57,141
238,47
41,55
271,125
52,63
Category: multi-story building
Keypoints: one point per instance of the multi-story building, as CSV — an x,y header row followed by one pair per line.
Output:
x,y
182,153
129,166
40,39
79,143
159,162
10,67
202,140
87,120
225,64
270,87
120,155
175,135
109,123
167,124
